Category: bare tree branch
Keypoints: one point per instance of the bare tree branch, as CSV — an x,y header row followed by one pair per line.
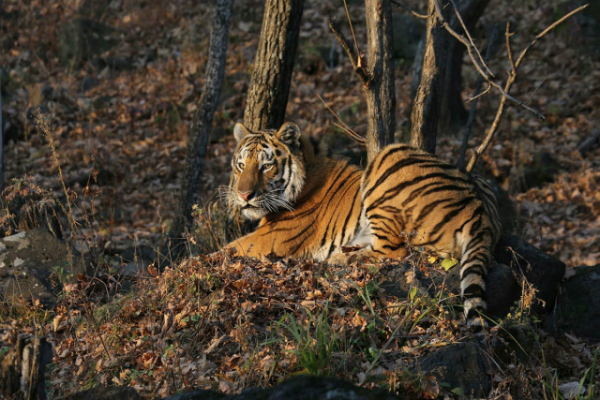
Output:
x,y
376,74
512,76
478,94
427,104
347,130
548,29
354,57
454,114
352,30
416,14
472,50
201,126
462,23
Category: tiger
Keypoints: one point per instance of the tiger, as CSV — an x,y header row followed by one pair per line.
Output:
x,y
311,205
308,204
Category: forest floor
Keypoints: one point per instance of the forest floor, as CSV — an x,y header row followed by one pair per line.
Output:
x,y
115,155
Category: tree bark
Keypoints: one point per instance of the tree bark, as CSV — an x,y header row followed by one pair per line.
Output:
x,y
22,369
272,76
380,92
273,66
454,113
201,124
428,100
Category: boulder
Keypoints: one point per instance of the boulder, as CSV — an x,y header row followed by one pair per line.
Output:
x,y
537,270
517,262
107,393
578,306
34,264
460,365
296,388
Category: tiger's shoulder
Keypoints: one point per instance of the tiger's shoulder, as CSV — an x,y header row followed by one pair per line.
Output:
x,y
308,204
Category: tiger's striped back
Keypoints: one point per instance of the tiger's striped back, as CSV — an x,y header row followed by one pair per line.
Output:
x,y
411,197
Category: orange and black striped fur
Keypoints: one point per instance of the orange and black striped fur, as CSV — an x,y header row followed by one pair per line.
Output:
x,y
412,198
311,205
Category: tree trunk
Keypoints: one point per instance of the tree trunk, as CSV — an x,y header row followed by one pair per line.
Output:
x,y
201,125
272,76
428,100
380,93
454,115
273,66
22,369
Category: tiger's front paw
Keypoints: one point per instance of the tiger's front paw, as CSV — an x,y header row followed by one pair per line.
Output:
x,y
351,257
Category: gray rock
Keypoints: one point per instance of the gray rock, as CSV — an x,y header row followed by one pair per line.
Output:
x,y
578,307
302,387
462,366
541,271
107,393
28,262
516,261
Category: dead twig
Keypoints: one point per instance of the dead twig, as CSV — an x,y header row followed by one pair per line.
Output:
x,y
414,13
512,76
545,31
354,57
353,35
358,139
347,130
511,79
472,51
478,94
462,23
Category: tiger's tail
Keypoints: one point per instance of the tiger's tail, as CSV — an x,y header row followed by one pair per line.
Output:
x,y
475,259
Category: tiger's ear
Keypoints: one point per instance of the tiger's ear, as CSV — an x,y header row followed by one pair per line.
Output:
x,y
289,134
239,131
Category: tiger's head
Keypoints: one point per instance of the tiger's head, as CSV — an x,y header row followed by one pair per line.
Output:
x,y
268,169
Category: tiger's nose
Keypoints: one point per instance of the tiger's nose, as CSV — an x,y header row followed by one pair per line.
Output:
x,y
246,196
